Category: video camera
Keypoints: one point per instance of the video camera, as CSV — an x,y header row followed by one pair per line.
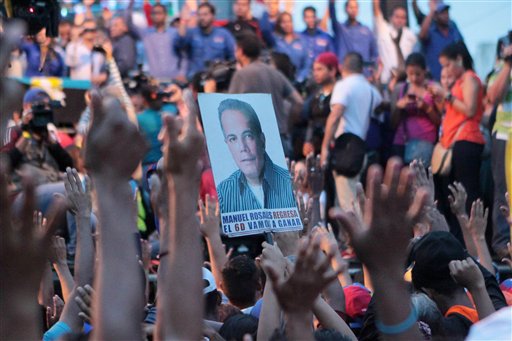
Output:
x,y
220,71
502,43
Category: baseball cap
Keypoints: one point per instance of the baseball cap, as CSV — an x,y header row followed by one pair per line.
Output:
x,y
35,95
430,257
328,59
209,281
441,6
357,298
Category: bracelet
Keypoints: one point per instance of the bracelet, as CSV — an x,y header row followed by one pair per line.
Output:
x,y
400,327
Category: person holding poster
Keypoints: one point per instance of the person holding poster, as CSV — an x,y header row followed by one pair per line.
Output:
x,y
254,187
258,182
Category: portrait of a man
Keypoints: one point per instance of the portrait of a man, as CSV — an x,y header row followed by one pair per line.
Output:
x,y
258,183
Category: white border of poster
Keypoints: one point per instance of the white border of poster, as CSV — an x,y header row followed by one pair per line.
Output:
x,y
250,219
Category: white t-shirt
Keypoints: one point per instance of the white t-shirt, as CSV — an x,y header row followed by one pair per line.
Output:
x,y
354,92
384,32
82,62
258,193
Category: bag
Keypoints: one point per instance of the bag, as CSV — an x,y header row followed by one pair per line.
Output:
x,y
441,162
347,156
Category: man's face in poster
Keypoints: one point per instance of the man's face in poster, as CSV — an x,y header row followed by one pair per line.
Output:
x,y
246,146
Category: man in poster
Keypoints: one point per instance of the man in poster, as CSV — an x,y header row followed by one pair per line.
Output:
x,y
258,183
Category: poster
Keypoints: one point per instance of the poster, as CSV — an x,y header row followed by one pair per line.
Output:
x,y
253,183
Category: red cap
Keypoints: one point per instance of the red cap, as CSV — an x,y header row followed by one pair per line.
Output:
x,y
328,59
357,298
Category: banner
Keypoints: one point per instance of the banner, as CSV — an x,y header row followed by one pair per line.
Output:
x,y
253,183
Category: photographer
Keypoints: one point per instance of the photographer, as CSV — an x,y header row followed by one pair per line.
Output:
x,y
32,146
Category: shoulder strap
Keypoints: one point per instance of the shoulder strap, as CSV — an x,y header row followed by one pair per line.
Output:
x,y
458,131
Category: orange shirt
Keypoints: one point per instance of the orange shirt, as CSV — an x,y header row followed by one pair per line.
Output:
x,y
467,312
453,119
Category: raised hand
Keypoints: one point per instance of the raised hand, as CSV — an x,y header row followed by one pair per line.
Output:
x,y
311,274
23,252
458,199
114,145
183,145
54,311
58,250
478,219
424,178
271,254
79,197
466,273
389,215
84,301
209,216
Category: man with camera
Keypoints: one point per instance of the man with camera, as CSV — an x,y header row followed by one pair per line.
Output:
x,y
31,146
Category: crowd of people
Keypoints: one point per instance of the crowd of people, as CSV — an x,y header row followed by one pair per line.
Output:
x,y
400,158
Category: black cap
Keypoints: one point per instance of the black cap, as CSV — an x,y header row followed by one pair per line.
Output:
x,y
430,257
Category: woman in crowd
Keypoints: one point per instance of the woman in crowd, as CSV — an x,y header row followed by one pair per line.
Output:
x,y
460,127
291,44
415,115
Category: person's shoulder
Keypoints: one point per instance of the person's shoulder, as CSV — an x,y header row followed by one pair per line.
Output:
x,y
229,182
280,171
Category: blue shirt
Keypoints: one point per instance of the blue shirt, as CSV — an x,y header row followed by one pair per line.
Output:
x,y
435,43
353,38
201,47
296,50
317,42
235,194
164,61
53,65
150,124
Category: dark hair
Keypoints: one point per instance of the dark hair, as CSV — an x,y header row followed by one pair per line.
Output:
x,y
353,61
243,107
162,6
416,59
346,3
308,8
236,326
455,50
279,20
250,44
207,5
398,7
240,280
284,64
212,302
329,334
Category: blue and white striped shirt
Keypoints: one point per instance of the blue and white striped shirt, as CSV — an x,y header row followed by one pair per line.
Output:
x,y
235,195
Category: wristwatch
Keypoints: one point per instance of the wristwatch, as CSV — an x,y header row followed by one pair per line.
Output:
x,y
449,98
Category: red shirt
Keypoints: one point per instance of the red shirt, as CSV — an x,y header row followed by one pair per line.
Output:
x,y
453,119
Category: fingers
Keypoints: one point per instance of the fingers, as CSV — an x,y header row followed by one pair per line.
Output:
x,y
418,203
346,219
373,186
392,174
361,198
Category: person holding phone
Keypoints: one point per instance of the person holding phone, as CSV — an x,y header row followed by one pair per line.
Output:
x,y
415,115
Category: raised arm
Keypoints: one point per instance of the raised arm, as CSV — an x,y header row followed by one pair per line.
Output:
x,y
381,244
334,19
467,274
477,226
60,264
427,22
180,307
497,90
119,300
210,229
